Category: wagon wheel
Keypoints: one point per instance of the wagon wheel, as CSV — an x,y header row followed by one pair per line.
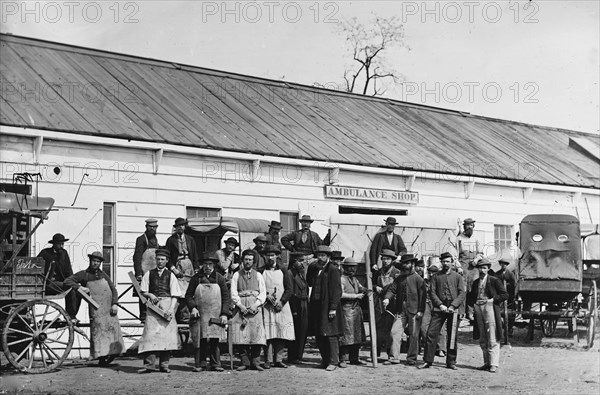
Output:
x,y
549,326
593,311
37,336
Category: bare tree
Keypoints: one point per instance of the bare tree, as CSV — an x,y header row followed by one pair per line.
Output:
x,y
368,44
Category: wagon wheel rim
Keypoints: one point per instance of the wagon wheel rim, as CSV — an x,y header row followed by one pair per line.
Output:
x,y
37,336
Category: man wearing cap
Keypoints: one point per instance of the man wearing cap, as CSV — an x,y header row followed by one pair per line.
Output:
x,y
409,289
447,293
304,240
432,270
272,234
183,254
384,317
486,295
299,306
510,283
353,334
106,340
248,294
325,310
229,260
58,268
386,240
260,246
207,298
469,251
277,315
160,336
144,256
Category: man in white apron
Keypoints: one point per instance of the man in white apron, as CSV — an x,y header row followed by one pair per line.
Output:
x,y
353,334
207,299
106,340
160,336
248,294
144,256
277,315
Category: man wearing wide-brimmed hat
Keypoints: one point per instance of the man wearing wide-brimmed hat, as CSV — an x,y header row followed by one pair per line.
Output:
x,y
207,298
384,317
410,292
106,341
353,334
229,260
58,268
487,293
144,256
386,240
325,310
260,246
272,234
337,258
304,240
183,260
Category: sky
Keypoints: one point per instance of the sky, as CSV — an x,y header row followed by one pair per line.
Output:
x,y
528,61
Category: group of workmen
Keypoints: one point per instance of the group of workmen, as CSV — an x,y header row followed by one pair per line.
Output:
x,y
267,305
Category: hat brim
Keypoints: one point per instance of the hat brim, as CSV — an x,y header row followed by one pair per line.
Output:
x,y
411,260
394,257
96,257
57,241
276,227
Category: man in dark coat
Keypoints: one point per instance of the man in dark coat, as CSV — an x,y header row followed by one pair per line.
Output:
x,y
325,310
273,234
182,248
510,283
58,268
384,316
144,256
447,294
206,289
260,246
304,240
299,305
486,295
387,240
410,292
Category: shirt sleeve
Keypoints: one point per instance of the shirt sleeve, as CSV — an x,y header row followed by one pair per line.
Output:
x,y
145,285
262,291
175,288
76,280
235,298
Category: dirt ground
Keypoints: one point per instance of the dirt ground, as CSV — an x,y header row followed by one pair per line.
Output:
x,y
542,366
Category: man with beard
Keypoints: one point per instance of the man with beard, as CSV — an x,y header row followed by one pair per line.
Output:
x,y
260,245
144,256
387,240
447,294
207,299
299,306
229,260
304,240
384,317
337,258
469,251
353,334
277,316
106,340
272,234
58,268
325,310
160,336
409,290
248,294
486,296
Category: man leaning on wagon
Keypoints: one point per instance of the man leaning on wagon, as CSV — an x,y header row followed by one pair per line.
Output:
x,y
303,240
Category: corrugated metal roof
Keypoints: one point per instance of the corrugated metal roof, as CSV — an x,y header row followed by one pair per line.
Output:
x,y
79,90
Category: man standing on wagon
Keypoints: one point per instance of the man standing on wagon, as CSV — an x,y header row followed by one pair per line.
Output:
x,y
106,340
160,336
144,256
487,293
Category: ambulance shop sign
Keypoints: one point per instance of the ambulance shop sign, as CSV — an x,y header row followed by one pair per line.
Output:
x,y
378,195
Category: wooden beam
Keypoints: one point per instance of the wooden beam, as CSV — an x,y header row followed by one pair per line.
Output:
x,y
157,159
334,175
527,192
37,148
410,182
469,187
372,327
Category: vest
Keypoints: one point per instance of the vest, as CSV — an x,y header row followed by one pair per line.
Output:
x,y
160,286
247,284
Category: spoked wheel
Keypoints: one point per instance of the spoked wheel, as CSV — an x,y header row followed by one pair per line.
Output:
x,y
37,336
593,315
549,326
